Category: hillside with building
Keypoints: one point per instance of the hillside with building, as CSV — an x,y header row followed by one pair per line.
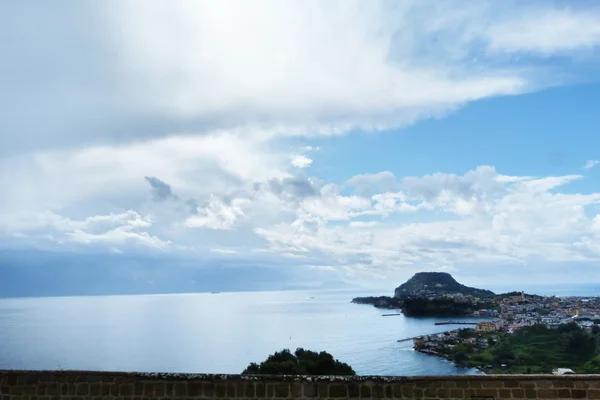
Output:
x,y
528,334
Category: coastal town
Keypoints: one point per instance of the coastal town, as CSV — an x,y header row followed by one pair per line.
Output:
x,y
506,315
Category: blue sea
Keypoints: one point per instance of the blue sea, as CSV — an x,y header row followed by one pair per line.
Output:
x,y
209,333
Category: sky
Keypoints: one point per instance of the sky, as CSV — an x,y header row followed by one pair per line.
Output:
x,y
299,143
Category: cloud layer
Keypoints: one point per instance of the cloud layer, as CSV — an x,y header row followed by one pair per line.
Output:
x,y
135,126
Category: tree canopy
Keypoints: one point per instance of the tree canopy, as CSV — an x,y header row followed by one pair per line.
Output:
x,y
301,362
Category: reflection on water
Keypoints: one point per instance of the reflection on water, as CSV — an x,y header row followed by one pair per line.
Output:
x,y
213,333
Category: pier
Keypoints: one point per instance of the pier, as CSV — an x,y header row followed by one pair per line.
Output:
x,y
411,338
454,323
390,315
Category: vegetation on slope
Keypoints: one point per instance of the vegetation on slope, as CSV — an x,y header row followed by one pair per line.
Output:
x,y
437,283
301,362
537,349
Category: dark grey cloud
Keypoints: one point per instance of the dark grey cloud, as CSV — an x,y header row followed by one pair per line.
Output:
x,y
295,188
160,189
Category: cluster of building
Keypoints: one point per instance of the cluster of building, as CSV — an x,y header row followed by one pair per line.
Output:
x,y
517,311
509,313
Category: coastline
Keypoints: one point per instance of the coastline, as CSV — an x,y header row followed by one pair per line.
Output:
x,y
430,352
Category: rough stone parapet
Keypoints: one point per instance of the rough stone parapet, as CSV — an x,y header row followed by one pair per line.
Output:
x,y
89,385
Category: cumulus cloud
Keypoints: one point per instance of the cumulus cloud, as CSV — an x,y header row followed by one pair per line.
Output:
x,y
493,223
301,161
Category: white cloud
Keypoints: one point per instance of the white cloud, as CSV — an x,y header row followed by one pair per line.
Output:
x,y
127,229
301,161
589,164
203,99
218,215
223,251
490,225
363,224
547,31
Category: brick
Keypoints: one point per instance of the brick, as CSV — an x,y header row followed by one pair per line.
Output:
x,y
281,390
430,393
448,384
338,390
578,393
160,389
12,380
231,390
125,389
487,392
511,384
475,384
397,388
138,389
180,389
527,384
323,390
423,384
169,389
4,390
29,390
462,384
562,384
365,391
295,389
504,393
310,390
41,389
220,390
95,389
530,393
53,389
547,394
377,391
417,393
71,389
544,384
593,394
249,389
270,390
442,393
353,390
492,384
259,387
408,391
114,389
389,391
457,394
107,379
563,393
194,389
582,384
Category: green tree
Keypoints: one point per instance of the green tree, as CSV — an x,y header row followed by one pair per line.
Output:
x,y
302,362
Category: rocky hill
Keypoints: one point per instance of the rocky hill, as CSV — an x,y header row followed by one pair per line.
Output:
x,y
436,284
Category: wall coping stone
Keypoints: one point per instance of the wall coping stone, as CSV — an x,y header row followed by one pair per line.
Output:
x,y
297,378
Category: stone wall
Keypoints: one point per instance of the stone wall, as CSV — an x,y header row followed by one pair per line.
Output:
x,y
76,385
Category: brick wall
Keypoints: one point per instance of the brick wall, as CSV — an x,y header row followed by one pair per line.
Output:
x,y
76,385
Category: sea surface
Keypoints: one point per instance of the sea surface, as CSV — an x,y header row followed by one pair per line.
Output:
x,y
212,333
209,333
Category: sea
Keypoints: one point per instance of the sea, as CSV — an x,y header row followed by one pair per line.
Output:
x,y
213,332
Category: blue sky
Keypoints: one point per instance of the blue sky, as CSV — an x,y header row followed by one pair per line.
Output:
x,y
350,142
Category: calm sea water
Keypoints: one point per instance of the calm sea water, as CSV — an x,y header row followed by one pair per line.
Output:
x,y
215,333
212,333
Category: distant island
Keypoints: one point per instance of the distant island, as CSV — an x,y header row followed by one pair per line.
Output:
x,y
435,294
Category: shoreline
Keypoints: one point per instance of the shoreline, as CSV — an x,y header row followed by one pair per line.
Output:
x,y
445,357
